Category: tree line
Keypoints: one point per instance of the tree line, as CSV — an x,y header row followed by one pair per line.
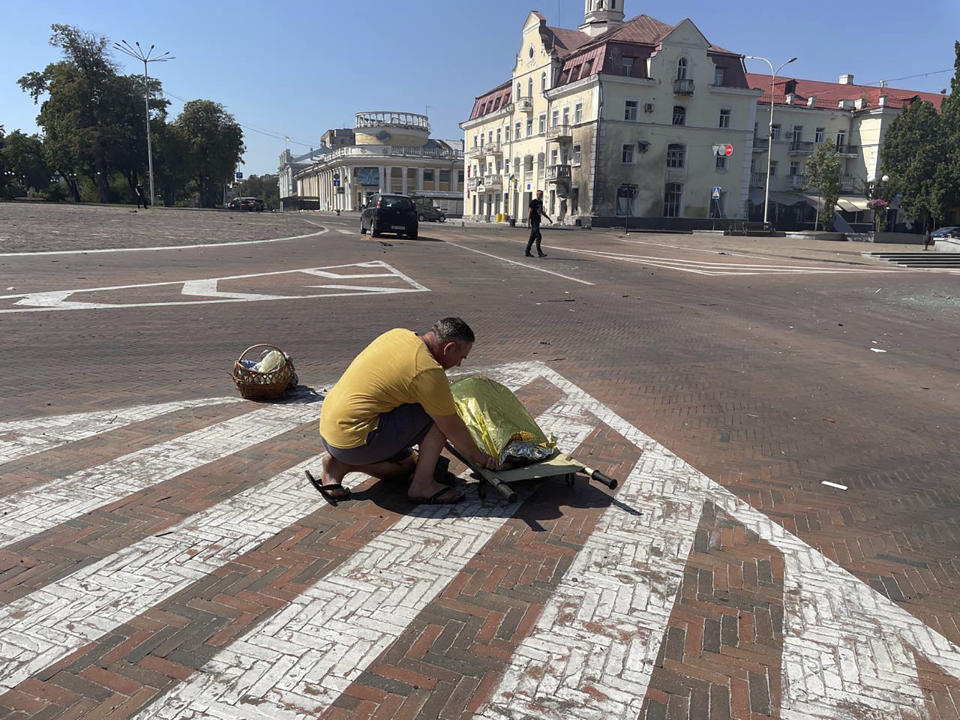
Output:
x,y
93,141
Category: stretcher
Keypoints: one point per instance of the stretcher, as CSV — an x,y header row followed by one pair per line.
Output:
x,y
558,466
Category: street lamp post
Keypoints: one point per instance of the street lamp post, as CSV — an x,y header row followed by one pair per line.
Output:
x,y
773,79
145,57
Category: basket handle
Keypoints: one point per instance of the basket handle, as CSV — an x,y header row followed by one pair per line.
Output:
x,y
259,345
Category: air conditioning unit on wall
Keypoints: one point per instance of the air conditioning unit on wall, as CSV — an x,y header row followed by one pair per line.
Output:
x,y
648,107
642,145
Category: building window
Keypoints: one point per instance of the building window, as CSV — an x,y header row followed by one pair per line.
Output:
x,y
721,162
575,201
676,155
773,168
541,161
519,95
625,197
776,132
797,133
530,87
679,115
630,110
820,135
724,119
628,66
553,156
474,139
427,174
841,139
566,116
498,135
543,82
490,136
506,133
626,154
542,123
682,69
554,118
719,76
578,113
794,168
529,127
576,154
516,130
672,198
460,177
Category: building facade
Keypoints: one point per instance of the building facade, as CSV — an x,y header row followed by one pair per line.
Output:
x,y
615,119
390,152
807,113
287,169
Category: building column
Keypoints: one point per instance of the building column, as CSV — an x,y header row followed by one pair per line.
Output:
x,y
420,180
403,186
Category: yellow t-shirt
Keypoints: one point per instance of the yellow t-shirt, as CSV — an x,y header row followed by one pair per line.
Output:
x,y
395,369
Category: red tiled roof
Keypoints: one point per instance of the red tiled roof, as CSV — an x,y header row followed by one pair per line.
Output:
x,y
491,101
829,95
568,40
641,29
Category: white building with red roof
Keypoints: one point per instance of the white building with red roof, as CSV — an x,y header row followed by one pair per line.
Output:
x,y
853,118
619,118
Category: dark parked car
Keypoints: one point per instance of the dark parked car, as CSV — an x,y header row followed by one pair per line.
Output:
x,y
427,211
951,231
392,214
249,204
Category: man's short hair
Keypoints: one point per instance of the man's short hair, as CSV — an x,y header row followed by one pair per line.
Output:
x,y
452,329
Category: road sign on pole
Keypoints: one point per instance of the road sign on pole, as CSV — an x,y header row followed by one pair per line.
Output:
x,y
728,150
715,192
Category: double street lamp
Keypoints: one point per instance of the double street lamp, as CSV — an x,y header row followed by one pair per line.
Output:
x,y
145,57
773,80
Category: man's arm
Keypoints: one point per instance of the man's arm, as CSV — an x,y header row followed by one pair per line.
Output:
x,y
456,432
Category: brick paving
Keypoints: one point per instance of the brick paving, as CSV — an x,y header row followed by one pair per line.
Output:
x,y
777,596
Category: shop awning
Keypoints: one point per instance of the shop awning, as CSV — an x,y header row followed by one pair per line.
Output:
x,y
852,203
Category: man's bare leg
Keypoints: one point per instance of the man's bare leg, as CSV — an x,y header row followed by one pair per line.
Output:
x,y
423,486
335,470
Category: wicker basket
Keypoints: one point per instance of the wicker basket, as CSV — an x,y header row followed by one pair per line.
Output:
x,y
271,385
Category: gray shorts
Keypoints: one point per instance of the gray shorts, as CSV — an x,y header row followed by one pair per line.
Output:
x,y
397,432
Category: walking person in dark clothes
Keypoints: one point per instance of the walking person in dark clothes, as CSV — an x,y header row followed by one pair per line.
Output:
x,y
141,199
533,220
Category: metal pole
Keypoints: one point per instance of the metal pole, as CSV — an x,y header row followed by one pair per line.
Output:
x,y
773,81
146,105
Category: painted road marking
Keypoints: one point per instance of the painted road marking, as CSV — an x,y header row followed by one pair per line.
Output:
x,y
300,661
521,264
20,438
45,506
847,651
702,267
165,247
207,290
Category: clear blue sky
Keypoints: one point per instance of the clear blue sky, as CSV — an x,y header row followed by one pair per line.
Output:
x,y
300,67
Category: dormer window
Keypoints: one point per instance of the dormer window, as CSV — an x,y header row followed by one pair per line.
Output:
x,y
682,69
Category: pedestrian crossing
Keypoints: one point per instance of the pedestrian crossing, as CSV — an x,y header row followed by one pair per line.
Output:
x,y
703,267
589,651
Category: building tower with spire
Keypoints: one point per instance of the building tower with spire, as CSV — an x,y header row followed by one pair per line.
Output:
x,y
601,16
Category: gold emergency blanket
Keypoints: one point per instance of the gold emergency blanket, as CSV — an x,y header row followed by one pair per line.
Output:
x,y
498,422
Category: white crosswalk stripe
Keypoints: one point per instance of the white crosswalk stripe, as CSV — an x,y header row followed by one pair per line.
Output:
x,y
20,438
298,662
590,653
45,506
703,267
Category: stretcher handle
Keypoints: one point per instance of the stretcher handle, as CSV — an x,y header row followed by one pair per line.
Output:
x,y
505,490
600,477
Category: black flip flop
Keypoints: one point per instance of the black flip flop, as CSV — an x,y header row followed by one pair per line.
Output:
x,y
442,474
326,490
435,498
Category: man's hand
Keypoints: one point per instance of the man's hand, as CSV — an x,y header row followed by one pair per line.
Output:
x,y
485,461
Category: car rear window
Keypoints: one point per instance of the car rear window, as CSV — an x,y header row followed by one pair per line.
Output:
x,y
397,203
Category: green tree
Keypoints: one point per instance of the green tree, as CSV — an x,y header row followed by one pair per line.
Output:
x,y
825,173
265,187
950,120
214,144
23,156
92,117
913,154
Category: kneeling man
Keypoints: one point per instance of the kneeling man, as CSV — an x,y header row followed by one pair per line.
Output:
x,y
395,395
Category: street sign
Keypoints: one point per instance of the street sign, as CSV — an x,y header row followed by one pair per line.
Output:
x,y
728,150
715,192
239,176
723,150
336,180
